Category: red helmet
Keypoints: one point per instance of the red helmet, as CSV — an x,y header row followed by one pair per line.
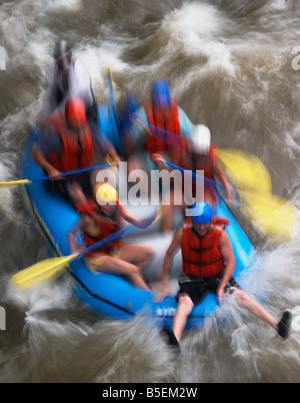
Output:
x,y
75,112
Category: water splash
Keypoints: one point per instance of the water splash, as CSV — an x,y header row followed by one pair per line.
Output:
x,y
229,65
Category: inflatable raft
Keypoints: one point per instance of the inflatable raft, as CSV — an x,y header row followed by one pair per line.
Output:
x,y
110,295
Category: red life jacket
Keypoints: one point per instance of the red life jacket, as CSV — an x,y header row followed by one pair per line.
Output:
x,y
106,227
76,152
163,121
202,164
201,256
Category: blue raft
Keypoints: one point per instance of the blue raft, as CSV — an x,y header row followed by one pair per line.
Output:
x,y
110,295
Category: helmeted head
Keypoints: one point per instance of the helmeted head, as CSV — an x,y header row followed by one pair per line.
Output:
x,y
130,107
105,194
202,213
160,93
201,138
75,113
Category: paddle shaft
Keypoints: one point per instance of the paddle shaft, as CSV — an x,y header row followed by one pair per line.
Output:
x,y
194,175
162,135
66,174
177,146
50,267
47,178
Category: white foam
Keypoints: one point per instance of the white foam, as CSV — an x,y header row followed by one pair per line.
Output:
x,y
71,5
97,61
196,29
6,196
195,20
277,5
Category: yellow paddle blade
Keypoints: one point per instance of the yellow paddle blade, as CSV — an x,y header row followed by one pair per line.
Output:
x,y
15,183
44,270
245,170
158,214
271,215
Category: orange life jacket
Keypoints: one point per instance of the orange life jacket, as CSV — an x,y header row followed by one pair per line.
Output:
x,y
88,206
106,228
202,164
76,152
201,256
165,128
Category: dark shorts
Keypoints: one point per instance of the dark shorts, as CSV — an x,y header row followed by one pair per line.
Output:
x,y
198,287
61,187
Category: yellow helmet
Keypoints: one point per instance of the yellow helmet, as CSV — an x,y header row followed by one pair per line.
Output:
x,y
105,193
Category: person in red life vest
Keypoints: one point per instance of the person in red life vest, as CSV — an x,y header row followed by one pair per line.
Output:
x,y
165,124
67,78
197,155
98,222
200,155
158,125
208,266
67,145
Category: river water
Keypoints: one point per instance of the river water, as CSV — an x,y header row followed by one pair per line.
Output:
x,y
231,64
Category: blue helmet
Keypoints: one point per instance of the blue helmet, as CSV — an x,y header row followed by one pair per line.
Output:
x,y
202,213
161,96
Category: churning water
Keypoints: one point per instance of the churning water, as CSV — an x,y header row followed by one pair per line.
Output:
x,y
232,65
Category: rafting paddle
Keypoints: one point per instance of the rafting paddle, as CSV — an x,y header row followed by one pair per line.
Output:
x,y
245,170
50,268
272,216
194,175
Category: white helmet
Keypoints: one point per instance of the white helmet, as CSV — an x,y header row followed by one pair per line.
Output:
x,y
200,143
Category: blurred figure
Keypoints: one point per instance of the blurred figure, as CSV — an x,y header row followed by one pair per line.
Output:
x,y
159,125
113,121
67,78
200,155
100,221
65,145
